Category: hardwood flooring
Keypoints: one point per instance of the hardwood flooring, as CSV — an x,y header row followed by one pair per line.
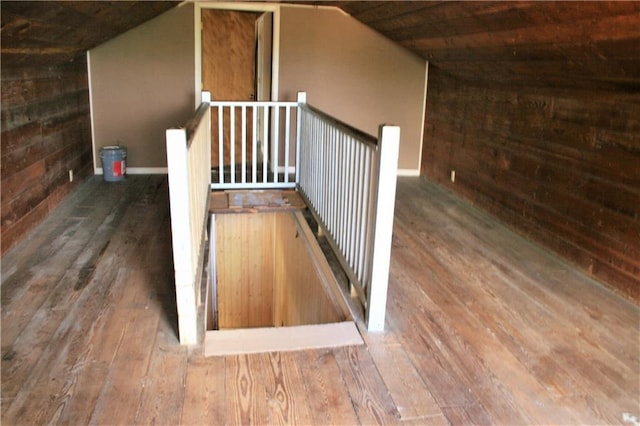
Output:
x,y
482,327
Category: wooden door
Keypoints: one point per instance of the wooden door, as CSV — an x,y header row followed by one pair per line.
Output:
x,y
228,68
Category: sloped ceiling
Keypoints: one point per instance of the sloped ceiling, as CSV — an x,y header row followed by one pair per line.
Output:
x,y
528,43
535,44
50,32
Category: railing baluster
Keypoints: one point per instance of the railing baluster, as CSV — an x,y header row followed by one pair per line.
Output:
x,y
313,174
368,214
331,186
287,127
325,172
319,168
343,192
276,142
358,208
254,155
221,144
324,167
265,143
351,198
364,224
338,187
244,144
232,143
315,166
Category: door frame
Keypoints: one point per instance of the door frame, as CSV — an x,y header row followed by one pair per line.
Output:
x,y
239,7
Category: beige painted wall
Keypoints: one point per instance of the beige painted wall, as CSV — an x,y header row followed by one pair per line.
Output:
x,y
353,73
142,82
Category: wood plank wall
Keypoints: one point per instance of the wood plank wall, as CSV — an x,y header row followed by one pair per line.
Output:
x,y
562,167
46,132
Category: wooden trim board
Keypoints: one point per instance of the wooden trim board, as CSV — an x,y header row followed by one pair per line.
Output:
x,y
280,339
255,201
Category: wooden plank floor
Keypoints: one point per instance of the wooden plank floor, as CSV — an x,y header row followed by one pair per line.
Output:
x,y
482,327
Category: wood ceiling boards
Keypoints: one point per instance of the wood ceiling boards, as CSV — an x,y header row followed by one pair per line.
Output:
x,y
530,43
539,44
50,32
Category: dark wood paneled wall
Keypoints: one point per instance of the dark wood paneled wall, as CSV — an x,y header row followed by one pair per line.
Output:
x,y
46,131
562,168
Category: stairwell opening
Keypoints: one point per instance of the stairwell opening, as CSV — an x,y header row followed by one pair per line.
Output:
x,y
272,288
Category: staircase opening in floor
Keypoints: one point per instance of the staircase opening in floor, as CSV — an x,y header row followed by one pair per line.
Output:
x,y
272,288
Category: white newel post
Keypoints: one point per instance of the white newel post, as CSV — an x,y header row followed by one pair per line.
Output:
x,y
389,143
181,234
206,97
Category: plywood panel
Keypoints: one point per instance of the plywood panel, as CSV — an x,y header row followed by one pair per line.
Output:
x,y
244,262
228,67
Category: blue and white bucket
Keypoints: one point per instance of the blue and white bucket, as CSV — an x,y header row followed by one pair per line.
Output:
x,y
114,167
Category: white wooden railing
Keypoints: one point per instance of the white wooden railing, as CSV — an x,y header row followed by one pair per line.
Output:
x,y
189,165
255,144
348,180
